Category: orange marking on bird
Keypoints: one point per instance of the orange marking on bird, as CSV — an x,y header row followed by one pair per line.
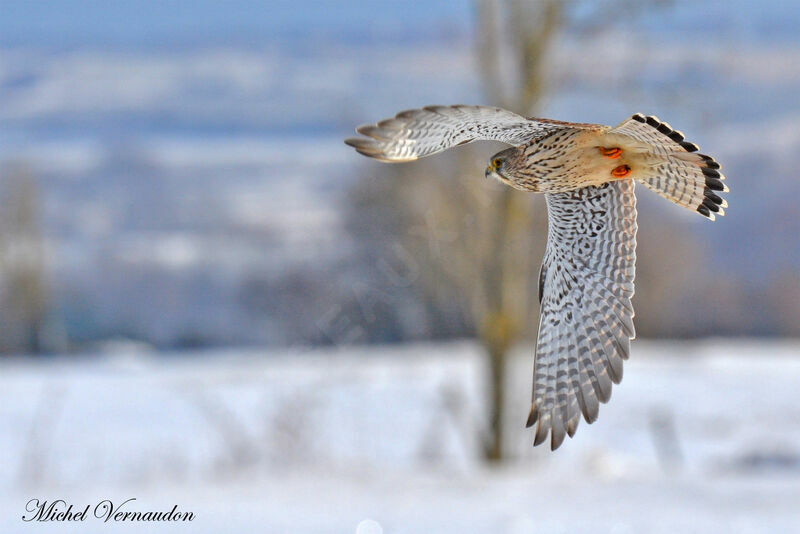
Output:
x,y
612,153
620,171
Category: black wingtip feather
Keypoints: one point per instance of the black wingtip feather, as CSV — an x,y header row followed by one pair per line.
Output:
x,y
710,204
709,194
664,129
715,184
538,439
703,210
689,147
676,136
532,417
360,143
710,162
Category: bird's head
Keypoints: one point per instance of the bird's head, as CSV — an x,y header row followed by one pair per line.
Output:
x,y
502,166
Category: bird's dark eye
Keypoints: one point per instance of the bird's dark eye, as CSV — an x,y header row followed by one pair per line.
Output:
x,y
496,162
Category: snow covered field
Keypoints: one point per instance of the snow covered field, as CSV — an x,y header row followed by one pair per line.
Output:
x,y
700,437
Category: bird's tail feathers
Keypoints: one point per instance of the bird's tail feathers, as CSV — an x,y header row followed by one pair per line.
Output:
x,y
673,167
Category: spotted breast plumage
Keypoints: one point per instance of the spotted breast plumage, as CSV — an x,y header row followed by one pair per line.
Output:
x,y
587,172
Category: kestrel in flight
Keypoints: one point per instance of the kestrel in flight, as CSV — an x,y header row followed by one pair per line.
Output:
x,y
587,172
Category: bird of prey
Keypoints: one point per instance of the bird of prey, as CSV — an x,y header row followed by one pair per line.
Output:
x,y
587,173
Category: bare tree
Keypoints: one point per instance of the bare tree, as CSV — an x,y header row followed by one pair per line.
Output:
x,y
504,297
22,290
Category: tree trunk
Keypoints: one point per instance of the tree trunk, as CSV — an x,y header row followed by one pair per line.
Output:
x,y
505,309
530,27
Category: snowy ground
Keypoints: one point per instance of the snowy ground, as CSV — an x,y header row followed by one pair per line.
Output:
x,y
698,438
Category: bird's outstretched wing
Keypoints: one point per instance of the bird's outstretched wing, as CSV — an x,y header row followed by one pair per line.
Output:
x,y
586,320
422,132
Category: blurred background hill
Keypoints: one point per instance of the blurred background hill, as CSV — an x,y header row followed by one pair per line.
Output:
x,y
190,187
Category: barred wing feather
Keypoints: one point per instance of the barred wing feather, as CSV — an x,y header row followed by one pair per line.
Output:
x,y
422,132
586,320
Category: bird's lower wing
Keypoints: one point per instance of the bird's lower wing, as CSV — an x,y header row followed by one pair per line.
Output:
x,y
586,320
422,132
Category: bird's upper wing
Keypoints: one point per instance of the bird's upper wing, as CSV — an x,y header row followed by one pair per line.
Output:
x,y
421,132
586,320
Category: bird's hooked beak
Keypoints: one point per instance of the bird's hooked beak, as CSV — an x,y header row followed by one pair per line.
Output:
x,y
491,169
